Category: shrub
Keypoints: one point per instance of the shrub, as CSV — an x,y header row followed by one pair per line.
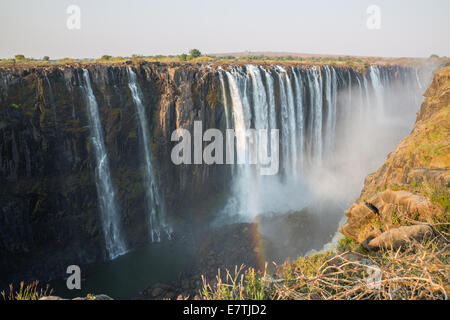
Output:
x,y
195,53
27,292
243,285
183,57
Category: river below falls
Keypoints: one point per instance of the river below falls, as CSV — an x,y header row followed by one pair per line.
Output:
x,y
125,276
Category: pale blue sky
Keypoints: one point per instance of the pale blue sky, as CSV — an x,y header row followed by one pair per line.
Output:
x,y
148,27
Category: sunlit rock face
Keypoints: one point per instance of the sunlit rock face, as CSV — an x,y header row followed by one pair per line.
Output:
x,y
51,213
413,183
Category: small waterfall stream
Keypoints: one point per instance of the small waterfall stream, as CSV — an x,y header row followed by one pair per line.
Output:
x,y
155,206
115,245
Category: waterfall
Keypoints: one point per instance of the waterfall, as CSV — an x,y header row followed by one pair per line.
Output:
x,y
328,107
259,102
52,102
225,100
155,207
291,124
316,109
286,119
317,120
106,196
242,201
334,98
378,90
298,82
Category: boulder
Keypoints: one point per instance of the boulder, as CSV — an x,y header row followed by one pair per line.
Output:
x,y
157,291
52,298
398,237
364,219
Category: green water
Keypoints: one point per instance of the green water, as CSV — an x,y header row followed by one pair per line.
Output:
x,y
126,275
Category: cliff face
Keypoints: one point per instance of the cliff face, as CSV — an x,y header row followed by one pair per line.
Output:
x,y
49,210
49,214
413,184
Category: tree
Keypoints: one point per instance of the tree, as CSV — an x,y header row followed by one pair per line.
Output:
x,y
433,56
194,53
46,58
106,57
183,57
19,57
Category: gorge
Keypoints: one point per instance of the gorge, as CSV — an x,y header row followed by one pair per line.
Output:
x,y
85,157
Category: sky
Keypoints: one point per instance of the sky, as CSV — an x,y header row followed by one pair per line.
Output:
x,y
407,28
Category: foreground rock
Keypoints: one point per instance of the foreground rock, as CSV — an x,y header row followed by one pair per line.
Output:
x,y
384,211
89,297
398,237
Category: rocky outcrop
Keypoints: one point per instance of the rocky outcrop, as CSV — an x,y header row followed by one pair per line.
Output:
x,y
398,237
413,184
384,211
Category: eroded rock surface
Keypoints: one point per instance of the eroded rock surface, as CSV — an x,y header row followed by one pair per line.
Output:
x,y
414,182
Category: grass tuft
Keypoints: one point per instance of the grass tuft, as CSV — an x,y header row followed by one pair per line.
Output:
x,y
31,291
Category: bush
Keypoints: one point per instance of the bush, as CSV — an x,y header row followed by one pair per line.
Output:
x,y
27,292
195,53
183,57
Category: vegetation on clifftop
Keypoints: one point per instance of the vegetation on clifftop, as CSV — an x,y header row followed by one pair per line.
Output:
x,y
196,57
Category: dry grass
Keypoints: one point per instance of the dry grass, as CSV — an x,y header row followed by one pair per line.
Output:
x,y
245,284
31,291
420,271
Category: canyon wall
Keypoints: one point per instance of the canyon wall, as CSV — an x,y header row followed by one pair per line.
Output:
x,y
49,215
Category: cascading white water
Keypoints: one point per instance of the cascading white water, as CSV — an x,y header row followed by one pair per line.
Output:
x,y
52,102
291,124
155,206
115,245
286,133
317,122
298,82
260,103
225,100
328,111
378,91
243,175
307,106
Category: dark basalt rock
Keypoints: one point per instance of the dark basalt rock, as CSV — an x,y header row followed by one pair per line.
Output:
x,y
49,216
